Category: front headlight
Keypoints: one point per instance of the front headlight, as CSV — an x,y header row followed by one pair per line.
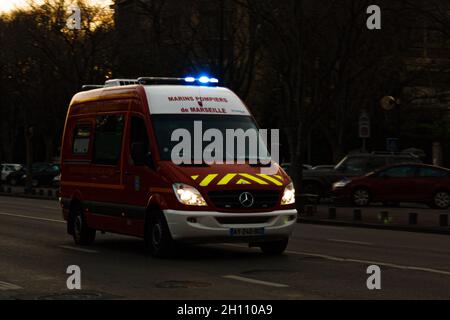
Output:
x,y
341,184
188,195
288,195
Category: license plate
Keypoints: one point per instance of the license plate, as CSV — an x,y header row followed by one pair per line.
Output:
x,y
242,232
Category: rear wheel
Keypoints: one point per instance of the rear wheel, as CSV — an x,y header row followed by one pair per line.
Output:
x,y
82,234
158,238
274,247
441,200
361,197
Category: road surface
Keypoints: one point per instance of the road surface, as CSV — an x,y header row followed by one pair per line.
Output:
x,y
322,262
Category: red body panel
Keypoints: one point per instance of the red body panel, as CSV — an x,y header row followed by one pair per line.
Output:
x,y
129,190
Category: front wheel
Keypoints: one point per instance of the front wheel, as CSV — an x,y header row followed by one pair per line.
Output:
x,y
361,197
274,247
82,234
158,238
441,200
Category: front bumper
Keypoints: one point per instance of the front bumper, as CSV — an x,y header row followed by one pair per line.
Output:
x,y
211,226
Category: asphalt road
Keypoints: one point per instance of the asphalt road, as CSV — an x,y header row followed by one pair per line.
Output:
x,y
322,262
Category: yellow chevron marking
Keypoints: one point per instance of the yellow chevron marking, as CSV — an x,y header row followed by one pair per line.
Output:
x,y
255,179
242,181
194,177
267,177
279,177
225,180
208,179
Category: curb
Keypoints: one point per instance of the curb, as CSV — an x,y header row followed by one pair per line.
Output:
x,y
430,230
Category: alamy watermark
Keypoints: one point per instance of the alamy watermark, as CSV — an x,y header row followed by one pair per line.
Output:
x,y
74,19
74,280
232,146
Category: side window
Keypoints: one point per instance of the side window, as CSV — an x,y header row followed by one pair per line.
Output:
x,y
354,164
81,139
376,163
138,134
432,173
108,139
400,172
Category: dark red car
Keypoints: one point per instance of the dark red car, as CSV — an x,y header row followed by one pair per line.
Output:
x,y
398,183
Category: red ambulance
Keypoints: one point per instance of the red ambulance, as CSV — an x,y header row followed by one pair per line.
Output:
x,y
117,173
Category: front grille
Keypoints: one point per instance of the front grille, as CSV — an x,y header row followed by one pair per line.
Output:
x,y
243,220
263,199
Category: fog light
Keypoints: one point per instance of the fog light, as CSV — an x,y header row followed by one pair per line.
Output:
x,y
192,220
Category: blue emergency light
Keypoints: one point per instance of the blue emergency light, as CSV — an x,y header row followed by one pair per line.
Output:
x,y
203,80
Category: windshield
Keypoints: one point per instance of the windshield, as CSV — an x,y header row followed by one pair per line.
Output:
x,y
166,125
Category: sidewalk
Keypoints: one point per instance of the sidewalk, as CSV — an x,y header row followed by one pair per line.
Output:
x,y
408,217
36,193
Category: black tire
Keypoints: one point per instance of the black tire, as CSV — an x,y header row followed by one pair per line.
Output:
x,y
361,197
441,200
82,234
274,247
158,239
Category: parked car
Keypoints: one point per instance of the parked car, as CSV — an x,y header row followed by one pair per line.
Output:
x,y
398,183
42,175
287,167
319,182
8,168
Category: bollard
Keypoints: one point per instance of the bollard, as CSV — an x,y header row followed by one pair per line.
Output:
x,y
357,215
332,213
413,218
443,220
310,211
384,217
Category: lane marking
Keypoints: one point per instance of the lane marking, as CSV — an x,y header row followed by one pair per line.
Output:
x,y
379,263
78,249
351,242
30,217
4,286
359,261
254,281
51,208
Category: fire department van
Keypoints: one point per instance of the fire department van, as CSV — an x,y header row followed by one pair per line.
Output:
x,y
117,173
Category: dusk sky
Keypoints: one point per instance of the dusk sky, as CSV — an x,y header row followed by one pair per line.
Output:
x,y
7,5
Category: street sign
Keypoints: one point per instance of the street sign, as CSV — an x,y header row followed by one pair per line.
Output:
x,y
364,125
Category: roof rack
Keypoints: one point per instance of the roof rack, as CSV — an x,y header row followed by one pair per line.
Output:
x,y
120,82
88,87
204,80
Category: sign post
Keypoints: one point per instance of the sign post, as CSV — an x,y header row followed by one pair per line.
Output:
x,y
364,128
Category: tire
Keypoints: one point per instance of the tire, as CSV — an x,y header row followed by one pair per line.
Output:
x,y
13,182
274,247
441,200
361,197
158,239
83,235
